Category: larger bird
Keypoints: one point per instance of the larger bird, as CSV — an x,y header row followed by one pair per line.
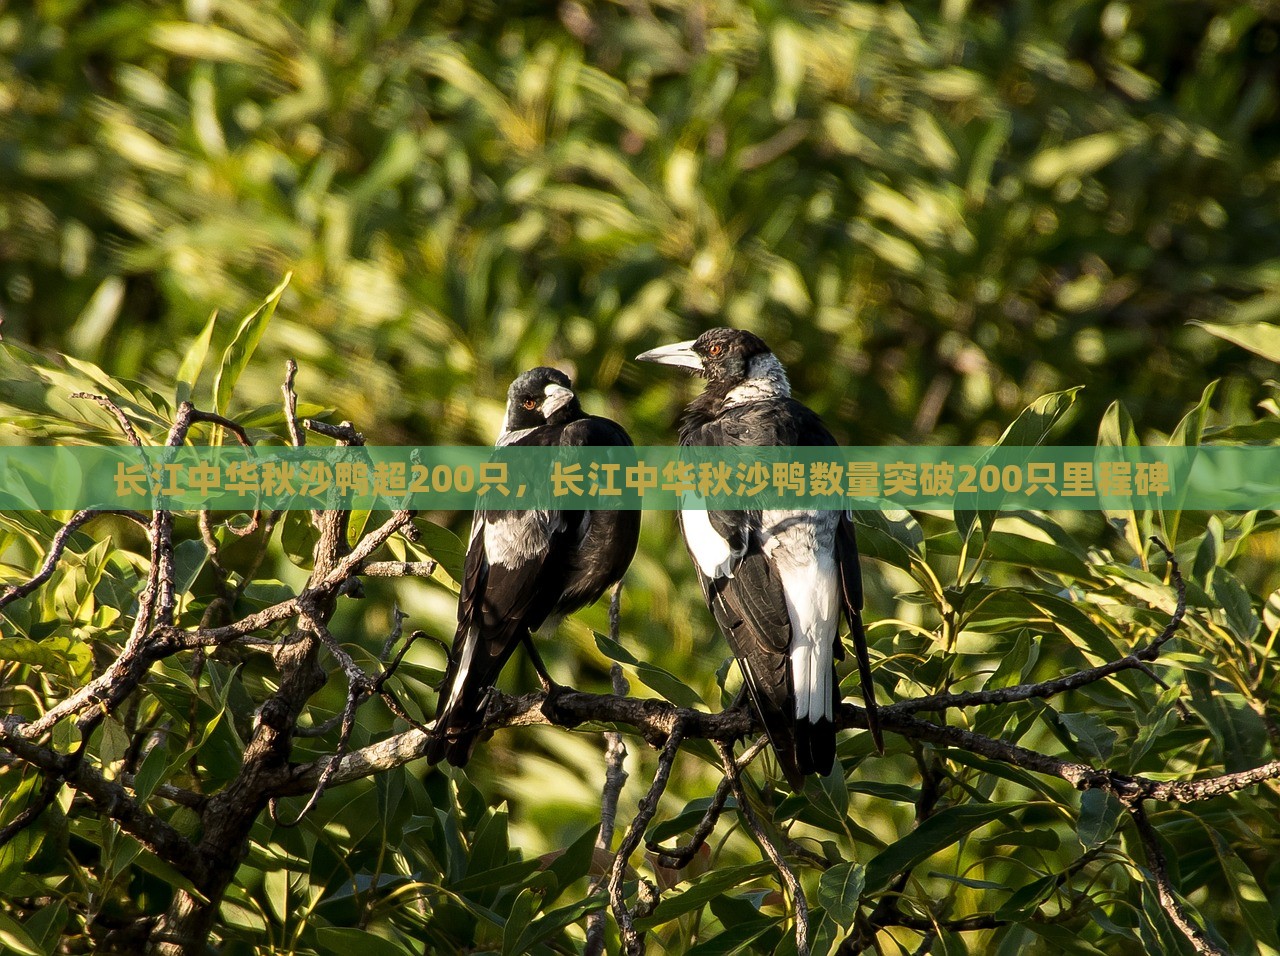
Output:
x,y
776,581
526,569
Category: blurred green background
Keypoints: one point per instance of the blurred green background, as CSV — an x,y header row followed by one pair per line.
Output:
x,y
935,213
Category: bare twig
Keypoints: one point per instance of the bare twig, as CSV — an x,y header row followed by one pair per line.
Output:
x,y
56,548
794,889
357,693
399,569
615,778
632,941
296,434
1165,891
343,432
678,857
126,426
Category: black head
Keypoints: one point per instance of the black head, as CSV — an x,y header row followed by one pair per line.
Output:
x,y
540,396
723,356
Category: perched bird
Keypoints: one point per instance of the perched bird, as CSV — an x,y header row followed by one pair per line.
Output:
x,y
776,581
526,569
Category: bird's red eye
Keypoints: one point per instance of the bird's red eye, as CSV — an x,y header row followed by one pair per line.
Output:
x,y
530,404
714,350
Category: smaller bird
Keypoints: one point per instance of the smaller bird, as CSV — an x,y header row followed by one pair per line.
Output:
x,y
525,570
775,580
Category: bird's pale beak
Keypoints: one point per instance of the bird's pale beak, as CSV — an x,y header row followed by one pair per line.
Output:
x,y
557,398
680,354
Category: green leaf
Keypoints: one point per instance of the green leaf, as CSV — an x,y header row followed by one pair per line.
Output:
x,y
14,938
572,865
345,940
503,875
443,546
193,361
1099,814
522,910
148,862
840,889
235,359
545,926
1249,896
943,829
1227,590
1015,664
1078,157
1261,338
150,773
693,811
298,537
1190,430
707,888
1094,737
1117,431
1025,900
889,534
1018,550
1028,430
739,937
665,683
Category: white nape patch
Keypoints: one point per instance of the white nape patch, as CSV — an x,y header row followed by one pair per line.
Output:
x,y
801,547
766,378
711,553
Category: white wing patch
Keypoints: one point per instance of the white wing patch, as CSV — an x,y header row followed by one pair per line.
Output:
x,y
469,642
711,553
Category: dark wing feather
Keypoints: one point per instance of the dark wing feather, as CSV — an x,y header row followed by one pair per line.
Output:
x,y
752,613
498,607
608,538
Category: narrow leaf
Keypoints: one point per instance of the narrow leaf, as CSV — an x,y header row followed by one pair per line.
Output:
x,y
235,359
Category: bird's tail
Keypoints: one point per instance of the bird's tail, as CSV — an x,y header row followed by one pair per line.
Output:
x,y
803,746
865,679
464,693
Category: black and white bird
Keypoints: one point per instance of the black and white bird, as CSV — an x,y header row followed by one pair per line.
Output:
x,y
776,581
526,569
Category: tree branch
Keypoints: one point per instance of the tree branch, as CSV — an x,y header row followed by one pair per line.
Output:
x,y
1137,660
633,941
1165,891
56,549
770,849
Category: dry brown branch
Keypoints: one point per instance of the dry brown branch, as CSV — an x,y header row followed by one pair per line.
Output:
x,y
56,549
632,940
1169,901
770,849
126,426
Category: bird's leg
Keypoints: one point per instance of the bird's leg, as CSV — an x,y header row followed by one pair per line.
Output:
x,y
551,708
548,685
